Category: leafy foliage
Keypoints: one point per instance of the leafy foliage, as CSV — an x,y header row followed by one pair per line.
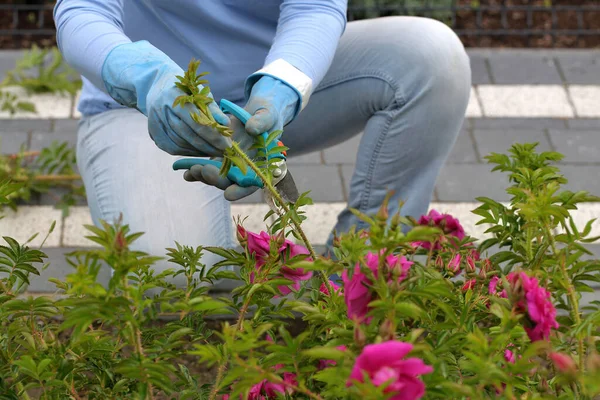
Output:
x,y
423,310
43,70
51,171
10,102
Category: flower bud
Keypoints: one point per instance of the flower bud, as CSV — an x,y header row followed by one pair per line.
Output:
x,y
387,330
563,362
120,243
454,264
470,284
242,235
485,268
470,264
439,262
383,213
359,337
396,221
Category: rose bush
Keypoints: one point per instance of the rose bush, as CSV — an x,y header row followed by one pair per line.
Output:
x,y
422,309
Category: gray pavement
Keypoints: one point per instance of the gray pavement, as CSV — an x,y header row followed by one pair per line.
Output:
x,y
535,66
466,175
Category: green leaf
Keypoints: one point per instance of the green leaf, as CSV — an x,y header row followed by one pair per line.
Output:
x,y
410,310
241,164
209,306
324,353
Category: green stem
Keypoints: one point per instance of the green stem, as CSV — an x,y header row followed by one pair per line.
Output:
x,y
570,293
21,390
277,197
136,338
223,364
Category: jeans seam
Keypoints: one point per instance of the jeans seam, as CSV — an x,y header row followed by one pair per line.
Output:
x,y
366,194
399,101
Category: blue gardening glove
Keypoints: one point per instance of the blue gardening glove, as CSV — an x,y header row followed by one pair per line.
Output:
x,y
140,76
272,104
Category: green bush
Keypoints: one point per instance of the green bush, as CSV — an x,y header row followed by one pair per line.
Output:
x,y
423,310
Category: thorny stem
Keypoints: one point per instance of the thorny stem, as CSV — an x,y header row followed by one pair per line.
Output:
x,y
21,389
49,178
277,197
223,364
5,289
137,338
570,292
24,154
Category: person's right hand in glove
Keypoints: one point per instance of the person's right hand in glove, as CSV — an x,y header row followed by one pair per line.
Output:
x,y
140,76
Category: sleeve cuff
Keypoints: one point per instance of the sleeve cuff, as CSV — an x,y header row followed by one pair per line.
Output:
x,y
287,73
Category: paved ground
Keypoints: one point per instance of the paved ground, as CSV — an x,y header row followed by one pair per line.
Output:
x,y
550,97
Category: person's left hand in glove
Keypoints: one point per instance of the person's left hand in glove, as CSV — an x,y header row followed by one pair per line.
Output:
x,y
272,104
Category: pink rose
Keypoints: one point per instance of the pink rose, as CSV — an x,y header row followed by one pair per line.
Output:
x,y
323,289
356,293
470,284
447,223
394,264
537,302
399,266
509,356
384,363
265,390
493,287
259,246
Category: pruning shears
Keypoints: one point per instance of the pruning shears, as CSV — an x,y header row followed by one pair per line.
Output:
x,y
282,179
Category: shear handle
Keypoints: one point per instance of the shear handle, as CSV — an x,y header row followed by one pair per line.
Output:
x,y
237,111
234,174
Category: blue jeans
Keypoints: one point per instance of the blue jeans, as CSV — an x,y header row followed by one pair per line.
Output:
x,y
402,81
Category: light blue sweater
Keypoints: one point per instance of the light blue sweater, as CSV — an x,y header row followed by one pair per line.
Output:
x,y
232,38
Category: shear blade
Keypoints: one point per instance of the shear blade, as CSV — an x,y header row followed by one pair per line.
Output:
x,y
287,188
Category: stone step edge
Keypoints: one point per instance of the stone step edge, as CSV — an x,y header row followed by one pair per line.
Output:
x,y
495,101
321,218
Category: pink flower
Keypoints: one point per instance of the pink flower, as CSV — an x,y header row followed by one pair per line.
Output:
x,y
356,292
384,363
509,356
259,246
454,264
493,287
323,289
447,223
537,302
470,284
294,274
563,362
398,266
326,363
265,390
